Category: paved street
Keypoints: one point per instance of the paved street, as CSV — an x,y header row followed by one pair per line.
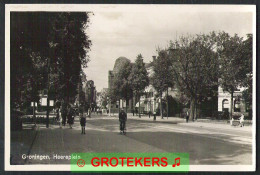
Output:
x,y
207,143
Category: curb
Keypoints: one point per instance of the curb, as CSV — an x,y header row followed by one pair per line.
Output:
x,y
36,128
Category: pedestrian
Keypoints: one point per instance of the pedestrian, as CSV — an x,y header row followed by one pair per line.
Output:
x,y
89,112
58,114
241,121
231,122
70,116
64,114
107,111
122,120
133,110
58,117
187,116
149,113
154,115
82,123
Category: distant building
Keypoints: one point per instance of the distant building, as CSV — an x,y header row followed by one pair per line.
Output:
x,y
149,101
90,94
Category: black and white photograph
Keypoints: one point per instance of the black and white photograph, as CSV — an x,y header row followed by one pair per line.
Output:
x,y
110,78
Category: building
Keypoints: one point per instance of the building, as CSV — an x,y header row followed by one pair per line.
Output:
x,y
149,101
239,104
90,94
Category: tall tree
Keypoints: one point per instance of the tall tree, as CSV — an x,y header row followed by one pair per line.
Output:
x,y
104,97
235,57
27,52
162,77
247,80
121,88
195,67
69,45
55,41
139,78
59,42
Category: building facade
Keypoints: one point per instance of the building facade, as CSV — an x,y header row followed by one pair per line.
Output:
x,y
239,104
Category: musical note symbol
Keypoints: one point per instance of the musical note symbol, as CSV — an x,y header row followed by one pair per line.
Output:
x,y
178,164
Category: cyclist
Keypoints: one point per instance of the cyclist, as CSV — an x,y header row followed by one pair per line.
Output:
x,y
122,120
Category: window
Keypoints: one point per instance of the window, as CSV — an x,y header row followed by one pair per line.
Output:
x,y
225,104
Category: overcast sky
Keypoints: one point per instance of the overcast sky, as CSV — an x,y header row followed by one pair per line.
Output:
x,y
116,31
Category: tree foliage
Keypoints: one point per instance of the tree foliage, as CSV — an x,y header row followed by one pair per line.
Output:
x,y
104,97
121,88
195,67
139,77
41,40
235,57
162,77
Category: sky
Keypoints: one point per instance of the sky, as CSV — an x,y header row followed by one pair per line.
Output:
x,y
131,30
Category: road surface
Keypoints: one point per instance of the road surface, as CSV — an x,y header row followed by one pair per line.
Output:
x,y
207,143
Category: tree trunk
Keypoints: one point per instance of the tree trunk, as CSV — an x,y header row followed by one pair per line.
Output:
x,y
192,108
48,89
199,112
118,106
167,104
161,106
47,112
139,107
126,106
231,105
34,116
195,111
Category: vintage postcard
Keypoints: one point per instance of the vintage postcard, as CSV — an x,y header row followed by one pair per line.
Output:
x,y
130,88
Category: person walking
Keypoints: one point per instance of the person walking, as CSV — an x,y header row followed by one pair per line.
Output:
x,y
70,116
82,123
64,114
57,114
154,115
241,121
122,120
187,116
58,117
231,121
89,112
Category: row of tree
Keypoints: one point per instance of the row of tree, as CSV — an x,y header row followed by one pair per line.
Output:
x,y
195,65
48,52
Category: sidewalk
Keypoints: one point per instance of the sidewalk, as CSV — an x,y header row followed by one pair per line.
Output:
x,y
205,123
21,143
